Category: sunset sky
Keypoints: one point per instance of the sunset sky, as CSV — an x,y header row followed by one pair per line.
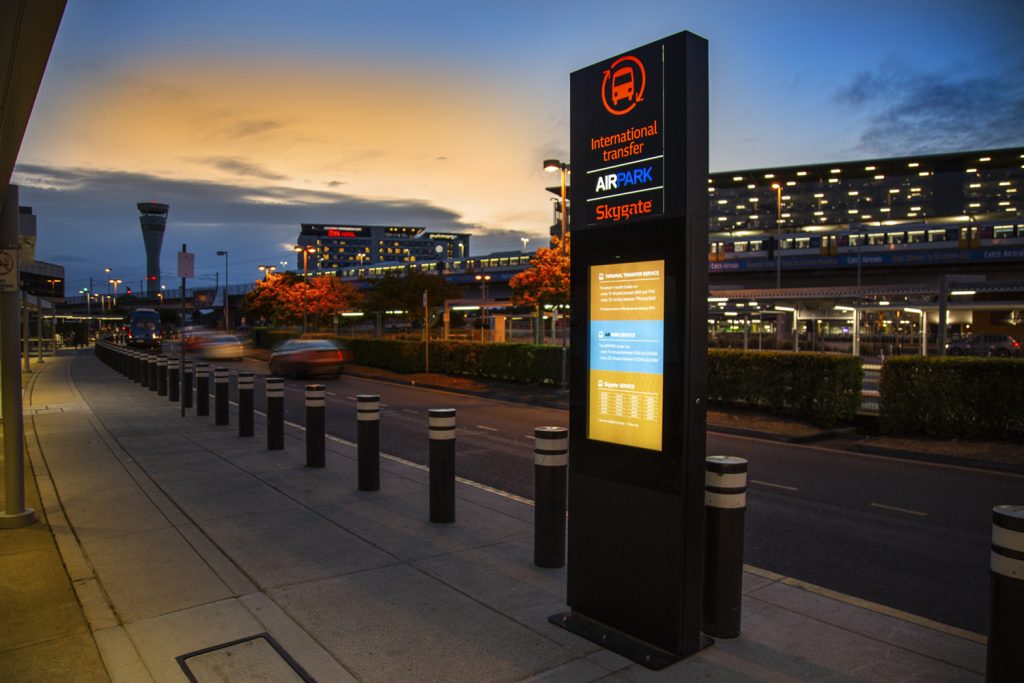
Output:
x,y
251,118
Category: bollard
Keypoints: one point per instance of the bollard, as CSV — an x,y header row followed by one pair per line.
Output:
x,y
151,362
1004,660
139,366
316,409
173,379
144,371
186,384
275,413
246,387
161,376
368,441
725,505
550,471
202,389
133,367
220,398
442,464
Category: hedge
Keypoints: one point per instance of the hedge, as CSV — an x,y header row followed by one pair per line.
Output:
x,y
952,397
822,388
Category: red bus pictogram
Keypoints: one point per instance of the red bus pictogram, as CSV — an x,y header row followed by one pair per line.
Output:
x,y
623,85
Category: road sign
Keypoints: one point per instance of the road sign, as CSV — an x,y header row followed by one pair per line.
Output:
x,y
186,264
10,276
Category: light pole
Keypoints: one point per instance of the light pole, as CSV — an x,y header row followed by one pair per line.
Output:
x,y
524,240
552,165
778,234
306,251
266,270
115,282
227,309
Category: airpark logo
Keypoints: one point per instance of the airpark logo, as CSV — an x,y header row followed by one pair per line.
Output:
x,y
622,87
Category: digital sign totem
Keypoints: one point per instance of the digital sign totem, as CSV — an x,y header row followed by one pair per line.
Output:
x,y
639,151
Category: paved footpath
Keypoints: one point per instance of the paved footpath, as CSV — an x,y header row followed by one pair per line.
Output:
x,y
192,549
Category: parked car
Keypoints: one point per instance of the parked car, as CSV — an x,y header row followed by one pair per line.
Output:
x,y
221,347
984,345
308,357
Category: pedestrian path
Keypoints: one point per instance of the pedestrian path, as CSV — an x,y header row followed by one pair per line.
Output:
x,y
194,551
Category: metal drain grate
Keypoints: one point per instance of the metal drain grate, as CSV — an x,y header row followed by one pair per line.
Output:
x,y
254,659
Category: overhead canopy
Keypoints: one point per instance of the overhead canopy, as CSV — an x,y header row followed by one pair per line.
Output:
x,y
27,31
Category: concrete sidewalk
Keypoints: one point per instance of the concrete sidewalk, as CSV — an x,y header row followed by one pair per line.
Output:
x,y
192,549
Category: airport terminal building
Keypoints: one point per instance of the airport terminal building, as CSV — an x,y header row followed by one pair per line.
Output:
x,y
341,245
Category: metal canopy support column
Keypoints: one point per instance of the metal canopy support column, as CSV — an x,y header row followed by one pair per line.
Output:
x,y
856,333
15,513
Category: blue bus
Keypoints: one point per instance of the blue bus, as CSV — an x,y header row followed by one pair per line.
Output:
x,y
144,329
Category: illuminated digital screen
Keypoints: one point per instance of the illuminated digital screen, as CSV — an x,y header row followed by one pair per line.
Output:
x,y
627,346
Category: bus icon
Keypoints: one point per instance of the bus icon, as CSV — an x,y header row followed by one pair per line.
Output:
x,y
622,85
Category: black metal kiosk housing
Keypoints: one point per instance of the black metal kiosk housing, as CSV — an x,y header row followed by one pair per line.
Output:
x,y
639,151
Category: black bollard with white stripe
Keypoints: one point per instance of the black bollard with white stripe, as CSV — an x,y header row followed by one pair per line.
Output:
x,y
725,506
442,464
140,368
275,413
550,471
161,376
1004,660
173,379
136,360
202,390
316,424
152,369
186,384
144,371
246,406
220,396
368,441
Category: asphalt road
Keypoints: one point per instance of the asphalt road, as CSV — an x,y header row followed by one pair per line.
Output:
x,y
914,536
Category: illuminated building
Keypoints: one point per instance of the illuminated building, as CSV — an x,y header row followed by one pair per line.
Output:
x,y
339,245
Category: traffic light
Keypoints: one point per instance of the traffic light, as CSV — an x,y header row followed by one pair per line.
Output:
x,y
129,291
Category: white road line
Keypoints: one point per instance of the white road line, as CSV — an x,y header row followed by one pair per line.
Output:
x,y
486,428
774,486
896,509
330,393
411,412
350,398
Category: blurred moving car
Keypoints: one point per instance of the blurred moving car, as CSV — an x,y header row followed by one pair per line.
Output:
x,y
984,345
221,347
308,357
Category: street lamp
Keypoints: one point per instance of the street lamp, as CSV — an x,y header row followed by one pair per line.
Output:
x,y
524,240
115,282
306,251
778,234
227,309
552,165
53,286
266,270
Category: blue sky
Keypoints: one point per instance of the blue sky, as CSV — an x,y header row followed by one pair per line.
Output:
x,y
251,118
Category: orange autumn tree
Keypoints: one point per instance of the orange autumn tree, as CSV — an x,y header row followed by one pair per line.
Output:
x,y
284,297
546,281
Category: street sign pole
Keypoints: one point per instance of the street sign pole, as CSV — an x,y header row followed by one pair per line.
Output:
x,y
186,269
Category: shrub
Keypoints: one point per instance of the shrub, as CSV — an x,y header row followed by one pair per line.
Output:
x,y
952,397
820,387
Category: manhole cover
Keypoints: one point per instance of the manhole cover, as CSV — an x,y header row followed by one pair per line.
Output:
x,y
254,659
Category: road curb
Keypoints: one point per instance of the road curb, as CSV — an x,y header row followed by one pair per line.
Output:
x,y
937,458
783,438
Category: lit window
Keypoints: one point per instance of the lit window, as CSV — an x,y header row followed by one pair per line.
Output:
x,y
985,159
851,211
819,213
836,170
924,173
833,180
769,176
853,193
869,168
737,178
803,173
895,190
885,209
879,177
723,201
913,164
971,170
790,183
751,186
975,186
1005,183
818,195
974,205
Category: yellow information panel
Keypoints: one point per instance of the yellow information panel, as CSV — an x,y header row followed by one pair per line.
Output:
x,y
627,344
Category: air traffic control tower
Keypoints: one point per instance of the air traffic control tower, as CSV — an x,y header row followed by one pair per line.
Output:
x,y
154,221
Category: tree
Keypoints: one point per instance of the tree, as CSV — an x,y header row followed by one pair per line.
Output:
x,y
546,281
268,299
405,293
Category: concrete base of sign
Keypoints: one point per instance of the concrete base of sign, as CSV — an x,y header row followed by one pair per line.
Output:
x,y
642,653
